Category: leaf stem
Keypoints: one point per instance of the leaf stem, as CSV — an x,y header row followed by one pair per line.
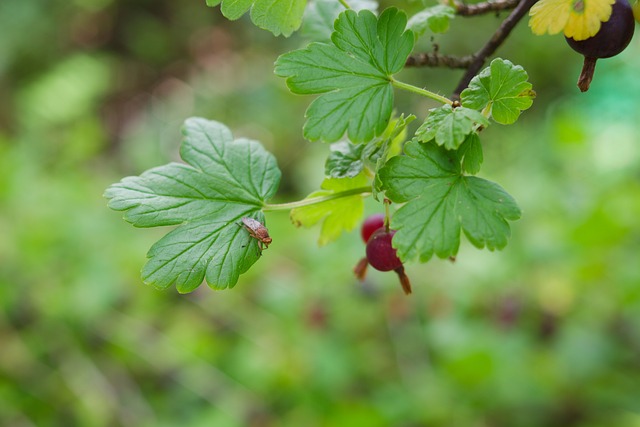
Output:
x,y
315,200
419,91
387,214
345,4
487,110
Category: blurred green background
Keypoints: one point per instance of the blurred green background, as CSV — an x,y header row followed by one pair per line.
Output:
x,y
545,333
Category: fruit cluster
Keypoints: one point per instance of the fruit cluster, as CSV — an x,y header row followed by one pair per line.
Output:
x,y
380,254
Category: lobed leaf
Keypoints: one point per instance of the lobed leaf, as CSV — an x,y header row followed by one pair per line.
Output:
x,y
320,15
502,88
449,126
223,181
435,18
277,16
352,75
440,202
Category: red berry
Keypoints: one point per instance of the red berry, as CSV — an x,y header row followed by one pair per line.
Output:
x,y
371,224
381,255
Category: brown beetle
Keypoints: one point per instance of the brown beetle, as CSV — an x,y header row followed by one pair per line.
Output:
x,y
257,231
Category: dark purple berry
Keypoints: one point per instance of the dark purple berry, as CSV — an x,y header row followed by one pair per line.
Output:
x,y
371,224
381,255
612,38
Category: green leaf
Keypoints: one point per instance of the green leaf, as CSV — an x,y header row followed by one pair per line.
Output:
x,y
440,202
278,16
471,153
450,126
223,181
501,88
388,145
345,160
435,18
338,214
353,75
320,15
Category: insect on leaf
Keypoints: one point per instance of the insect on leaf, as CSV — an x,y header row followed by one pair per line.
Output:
x,y
223,181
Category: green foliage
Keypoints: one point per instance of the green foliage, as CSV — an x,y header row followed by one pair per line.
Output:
x,y
337,215
440,201
347,160
353,75
543,334
435,18
321,14
471,153
278,16
449,126
502,89
223,181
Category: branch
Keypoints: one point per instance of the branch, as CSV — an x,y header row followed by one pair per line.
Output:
x,y
463,9
436,60
493,44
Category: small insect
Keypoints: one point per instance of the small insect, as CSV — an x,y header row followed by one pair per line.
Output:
x,y
257,231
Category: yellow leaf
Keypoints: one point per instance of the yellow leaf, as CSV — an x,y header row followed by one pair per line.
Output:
x,y
636,10
586,23
549,16
578,19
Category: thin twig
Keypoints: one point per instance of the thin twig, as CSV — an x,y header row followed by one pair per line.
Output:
x,y
492,45
434,59
463,9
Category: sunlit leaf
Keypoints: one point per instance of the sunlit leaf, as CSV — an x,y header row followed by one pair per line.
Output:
x,y
337,215
576,19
